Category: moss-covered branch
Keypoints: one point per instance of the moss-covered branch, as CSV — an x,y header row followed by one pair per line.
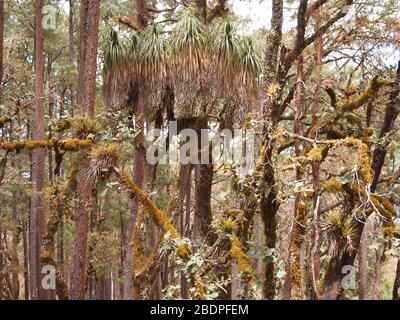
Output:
x,y
65,145
367,95
159,217
163,222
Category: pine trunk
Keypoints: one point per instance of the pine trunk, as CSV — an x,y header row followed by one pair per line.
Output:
x,y
138,171
37,215
1,44
90,12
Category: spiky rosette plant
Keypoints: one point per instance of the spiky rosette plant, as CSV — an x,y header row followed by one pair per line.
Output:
x,y
84,126
133,61
237,65
153,55
120,67
249,68
190,66
338,230
226,52
153,67
103,158
188,46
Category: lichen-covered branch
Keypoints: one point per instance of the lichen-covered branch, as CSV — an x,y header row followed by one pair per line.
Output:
x,y
159,217
367,95
65,145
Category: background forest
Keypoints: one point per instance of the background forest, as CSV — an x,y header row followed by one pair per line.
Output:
x,y
84,215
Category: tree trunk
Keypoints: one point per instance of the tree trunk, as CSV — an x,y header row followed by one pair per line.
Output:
x,y
122,253
202,218
299,206
107,294
37,216
396,286
138,170
83,29
203,188
363,264
138,177
71,49
15,234
345,257
15,263
1,44
90,12
185,232
26,262
2,273
376,287
201,7
78,278
316,247
269,206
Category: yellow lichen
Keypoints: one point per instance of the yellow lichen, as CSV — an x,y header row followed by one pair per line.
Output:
x,y
384,206
75,144
223,260
388,231
368,94
159,217
239,256
66,145
183,251
315,154
364,161
332,185
36,144
71,183
389,206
